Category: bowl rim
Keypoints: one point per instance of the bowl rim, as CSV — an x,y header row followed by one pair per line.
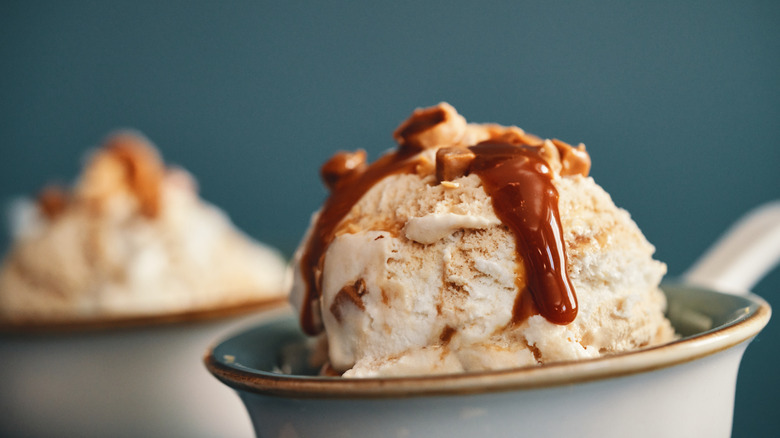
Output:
x,y
106,323
677,352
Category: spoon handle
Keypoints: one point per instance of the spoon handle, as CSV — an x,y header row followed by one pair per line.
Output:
x,y
743,255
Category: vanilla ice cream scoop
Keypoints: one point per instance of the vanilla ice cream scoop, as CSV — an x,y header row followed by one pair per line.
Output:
x,y
473,247
132,238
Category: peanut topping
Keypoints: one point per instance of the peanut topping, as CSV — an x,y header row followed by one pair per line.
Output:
x,y
424,166
573,160
436,126
351,293
452,163
341,165
126,162
53,200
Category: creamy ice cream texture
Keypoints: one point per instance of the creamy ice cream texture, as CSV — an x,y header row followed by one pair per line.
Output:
x,y
131,238
473,247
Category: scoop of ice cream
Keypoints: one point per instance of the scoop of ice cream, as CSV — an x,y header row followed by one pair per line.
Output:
x,y
131,238
473,247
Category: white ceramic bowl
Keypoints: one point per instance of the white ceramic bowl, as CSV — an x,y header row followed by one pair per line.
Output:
x,y
128,378
685,388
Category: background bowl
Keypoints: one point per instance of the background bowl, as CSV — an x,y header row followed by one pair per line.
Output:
x,y
130,378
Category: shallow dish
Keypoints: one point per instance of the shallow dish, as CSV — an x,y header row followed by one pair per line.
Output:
x,y
127,377
682,388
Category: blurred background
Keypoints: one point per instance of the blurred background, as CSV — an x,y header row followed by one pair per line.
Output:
x,y
677,102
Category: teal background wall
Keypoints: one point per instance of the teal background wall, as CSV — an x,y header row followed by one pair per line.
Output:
x,y
678,103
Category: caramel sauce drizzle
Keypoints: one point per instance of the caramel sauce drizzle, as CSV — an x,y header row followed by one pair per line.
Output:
x,y
519,183
516,177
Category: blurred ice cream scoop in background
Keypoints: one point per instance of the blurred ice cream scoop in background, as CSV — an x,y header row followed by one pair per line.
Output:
x,y
131,238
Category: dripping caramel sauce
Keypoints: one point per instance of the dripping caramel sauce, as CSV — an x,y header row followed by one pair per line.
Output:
x,y
519,182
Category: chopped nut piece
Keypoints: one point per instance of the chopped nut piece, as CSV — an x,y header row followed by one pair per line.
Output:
x,y
431,127
452,163
127,161
52,201
350,293
573,160
341,165
550,154
424,167
421,121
